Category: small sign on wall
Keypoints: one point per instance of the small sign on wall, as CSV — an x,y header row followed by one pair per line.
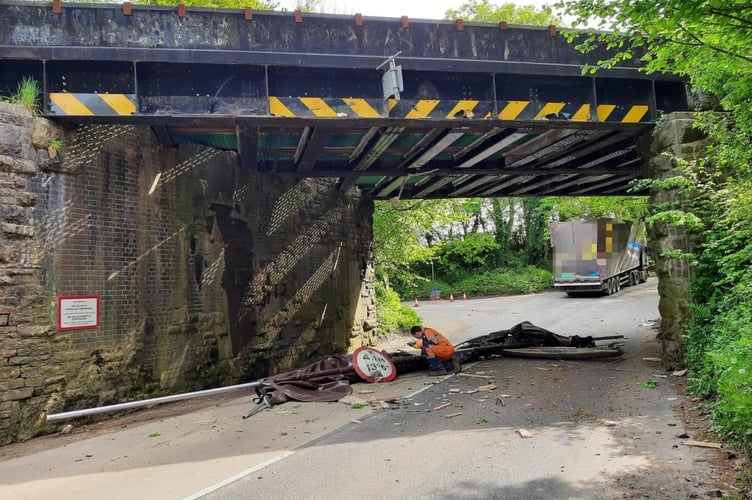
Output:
x,y
77,312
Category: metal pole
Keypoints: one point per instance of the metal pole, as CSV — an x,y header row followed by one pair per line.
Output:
x,y
146,402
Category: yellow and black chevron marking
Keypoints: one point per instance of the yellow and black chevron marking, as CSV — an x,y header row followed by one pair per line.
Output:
x,y
329,107
464,108
436,108
72,104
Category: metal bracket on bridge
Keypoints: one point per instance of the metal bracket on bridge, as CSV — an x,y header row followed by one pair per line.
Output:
x,y
391,80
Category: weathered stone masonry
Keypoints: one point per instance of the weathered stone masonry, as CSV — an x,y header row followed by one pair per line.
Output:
x,y
678,139
206,274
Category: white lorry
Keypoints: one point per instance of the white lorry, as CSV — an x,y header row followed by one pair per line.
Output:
x,y
598,256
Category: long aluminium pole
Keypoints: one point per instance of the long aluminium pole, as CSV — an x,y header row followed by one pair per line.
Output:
x,y
147,402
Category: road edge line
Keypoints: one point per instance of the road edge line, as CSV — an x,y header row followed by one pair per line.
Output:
x,y
237,476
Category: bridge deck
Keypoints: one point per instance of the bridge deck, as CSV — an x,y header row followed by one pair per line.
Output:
x,y
483,110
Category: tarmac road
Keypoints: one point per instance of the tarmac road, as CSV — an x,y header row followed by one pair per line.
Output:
x,y
506,428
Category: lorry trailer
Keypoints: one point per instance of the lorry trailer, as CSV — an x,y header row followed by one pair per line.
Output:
x,y
598,256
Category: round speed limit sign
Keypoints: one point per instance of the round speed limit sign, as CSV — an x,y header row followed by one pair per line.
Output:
x,y
373,365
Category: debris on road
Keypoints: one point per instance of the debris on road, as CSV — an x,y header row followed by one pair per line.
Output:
x,y
330,378
528,340
475,376
702,444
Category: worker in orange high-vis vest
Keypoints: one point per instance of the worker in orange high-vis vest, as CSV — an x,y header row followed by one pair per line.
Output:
x,y
437,349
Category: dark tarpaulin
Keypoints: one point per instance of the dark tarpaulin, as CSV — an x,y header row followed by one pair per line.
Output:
x,y
325,380
525,335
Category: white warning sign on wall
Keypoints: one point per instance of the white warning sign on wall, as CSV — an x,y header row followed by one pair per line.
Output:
x,y
77,312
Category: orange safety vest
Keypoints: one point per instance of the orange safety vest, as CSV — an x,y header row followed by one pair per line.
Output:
x,y
438,345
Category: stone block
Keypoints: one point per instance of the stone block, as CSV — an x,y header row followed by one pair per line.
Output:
x,y
28,330
10,372
38,360
16,394
12,384
25,167
16,230
44,132
6,163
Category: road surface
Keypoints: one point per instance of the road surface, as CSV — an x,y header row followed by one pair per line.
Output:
x,y
507,428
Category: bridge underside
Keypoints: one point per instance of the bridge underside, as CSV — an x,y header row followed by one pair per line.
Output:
x,y
459,111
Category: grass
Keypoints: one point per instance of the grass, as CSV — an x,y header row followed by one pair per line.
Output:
x,y
26,95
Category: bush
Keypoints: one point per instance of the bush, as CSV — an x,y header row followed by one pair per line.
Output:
x,y
719,353
391,315
527,279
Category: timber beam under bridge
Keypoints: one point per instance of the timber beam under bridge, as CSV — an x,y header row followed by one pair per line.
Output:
x,y
394,106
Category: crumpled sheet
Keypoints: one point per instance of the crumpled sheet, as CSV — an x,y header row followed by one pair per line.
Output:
x,y
325,380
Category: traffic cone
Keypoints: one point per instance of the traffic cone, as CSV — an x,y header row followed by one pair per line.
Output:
x,y
451,297
416,302
464,296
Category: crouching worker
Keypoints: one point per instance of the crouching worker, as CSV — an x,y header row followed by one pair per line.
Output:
x,y
437,349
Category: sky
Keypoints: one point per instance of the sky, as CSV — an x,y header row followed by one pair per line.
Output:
x,y
414,9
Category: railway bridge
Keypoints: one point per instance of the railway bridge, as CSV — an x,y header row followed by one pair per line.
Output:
x,y
208,217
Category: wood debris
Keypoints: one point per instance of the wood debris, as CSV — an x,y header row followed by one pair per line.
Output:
x,y
487,388
702,444
442,406
463,374
524,433
453,415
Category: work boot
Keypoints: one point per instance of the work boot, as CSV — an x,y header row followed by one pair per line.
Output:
x,y
438,372
456,365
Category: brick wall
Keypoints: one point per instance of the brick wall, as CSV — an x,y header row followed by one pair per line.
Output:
x,y
206,275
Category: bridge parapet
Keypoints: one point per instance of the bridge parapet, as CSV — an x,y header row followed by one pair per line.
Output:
x,y
303,94
269,37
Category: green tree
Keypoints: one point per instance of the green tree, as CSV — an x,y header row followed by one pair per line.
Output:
x,y
485,11
629,208
404,233
222,4
708,42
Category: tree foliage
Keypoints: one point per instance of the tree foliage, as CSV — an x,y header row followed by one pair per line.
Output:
x,y
628,208
708,42
485,11
404,233
220,4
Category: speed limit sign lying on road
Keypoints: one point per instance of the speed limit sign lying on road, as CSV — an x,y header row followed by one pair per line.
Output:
x,y
373,365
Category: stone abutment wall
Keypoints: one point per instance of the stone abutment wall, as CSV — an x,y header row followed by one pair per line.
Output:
x,y
203,274
675,139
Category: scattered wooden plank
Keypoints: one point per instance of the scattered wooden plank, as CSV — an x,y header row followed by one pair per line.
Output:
x,y
453,415
487,388
576,353
701,444
463,374
442,406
